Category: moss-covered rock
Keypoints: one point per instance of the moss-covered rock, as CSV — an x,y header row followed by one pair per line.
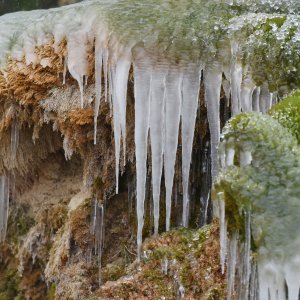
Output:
x,y
287,113
269,185
180,261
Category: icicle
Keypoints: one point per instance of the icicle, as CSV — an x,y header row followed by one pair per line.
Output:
x,y
274,98
223,233
255,99
142,79
190,96
105,71
172,119
212,83
253,293
4,205
227,90
246,267
230,152
245,158
110,87
206,201
164,266
77,59
181,291
116,124
236,81
120,92
157,137
265,99
97,229
231,265
270,101
98,76
65,70
292,275
272,283
246,94
236,75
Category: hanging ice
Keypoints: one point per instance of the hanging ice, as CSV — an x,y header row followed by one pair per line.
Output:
x,y
142,79
98,86
255,99
119,80
172,121
190,96
223,234
97,230
212,84
236,77
157,109
77,47
4,205
232,260
246,94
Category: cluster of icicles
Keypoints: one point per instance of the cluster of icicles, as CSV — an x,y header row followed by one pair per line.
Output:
x,y
166,95
166,100
267,278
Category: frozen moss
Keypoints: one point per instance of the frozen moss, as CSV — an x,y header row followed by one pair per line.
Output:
x,y
287,113
269,186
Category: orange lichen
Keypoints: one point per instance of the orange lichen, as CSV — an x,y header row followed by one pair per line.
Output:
x,y
81,116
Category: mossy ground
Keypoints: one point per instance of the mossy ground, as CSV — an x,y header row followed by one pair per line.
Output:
x,y
187,257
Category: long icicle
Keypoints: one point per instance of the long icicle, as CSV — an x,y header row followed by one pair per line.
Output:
x,y
190,97
157,137
119,78
142,79
212,83
236,73
4,205
172,117
116,122
98,86
120,87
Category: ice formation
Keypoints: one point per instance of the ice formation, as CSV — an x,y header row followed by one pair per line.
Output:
x,y
97,230
255,210
170,49
4,204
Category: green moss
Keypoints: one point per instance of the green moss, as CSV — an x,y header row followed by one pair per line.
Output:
x,y
269,24
287,113
114,271
9,289
98,184
19,223
51,292
269,187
